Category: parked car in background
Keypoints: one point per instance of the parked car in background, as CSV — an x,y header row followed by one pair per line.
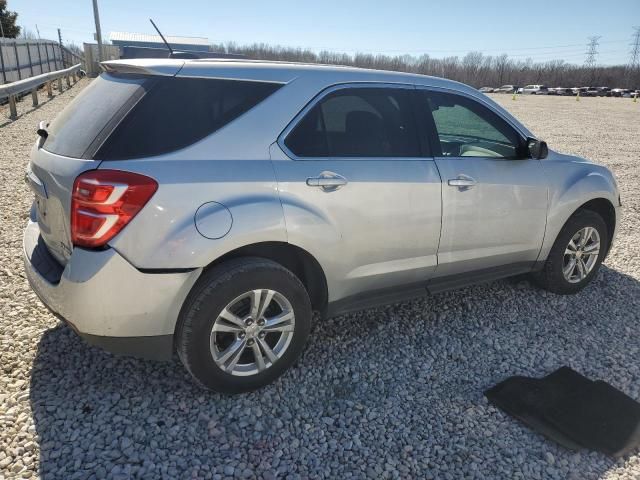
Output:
x,y
582,91
618,92
486,89
603,91
505,89
209,207
530,89
551,91
563,91
591,92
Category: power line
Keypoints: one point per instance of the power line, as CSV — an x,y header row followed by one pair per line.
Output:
x,y
559,55
556,51
454,51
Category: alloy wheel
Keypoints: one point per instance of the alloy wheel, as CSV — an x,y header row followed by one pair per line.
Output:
x,y
581,254
252,332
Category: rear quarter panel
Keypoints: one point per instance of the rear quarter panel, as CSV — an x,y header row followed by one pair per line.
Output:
x,y
164,234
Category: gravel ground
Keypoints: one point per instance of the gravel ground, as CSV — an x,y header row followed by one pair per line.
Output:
x,y
389,393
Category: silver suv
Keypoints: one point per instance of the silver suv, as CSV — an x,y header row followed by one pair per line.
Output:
x,y
209,207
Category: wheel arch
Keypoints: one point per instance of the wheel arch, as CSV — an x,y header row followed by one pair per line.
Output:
x,y
606,210
296,259
601,205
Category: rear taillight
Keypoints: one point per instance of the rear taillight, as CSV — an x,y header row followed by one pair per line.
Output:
x,y
103,202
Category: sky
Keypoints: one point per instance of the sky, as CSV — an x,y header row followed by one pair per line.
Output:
x,y
541,30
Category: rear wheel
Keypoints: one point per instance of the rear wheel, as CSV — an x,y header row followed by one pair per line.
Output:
x,y
243,325
576,255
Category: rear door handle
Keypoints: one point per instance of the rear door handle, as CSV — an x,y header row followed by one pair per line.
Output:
x,y
328,181
463,181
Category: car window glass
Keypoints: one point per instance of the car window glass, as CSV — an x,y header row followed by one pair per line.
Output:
x,y
465,128
73,131
177,112
358,122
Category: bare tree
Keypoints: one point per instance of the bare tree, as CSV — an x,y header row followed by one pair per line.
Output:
x,y
474,68
27,34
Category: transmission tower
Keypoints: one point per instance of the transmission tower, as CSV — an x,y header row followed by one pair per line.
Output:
x,y
592,52
634,60
633,70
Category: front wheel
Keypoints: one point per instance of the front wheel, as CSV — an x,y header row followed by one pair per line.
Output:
x,y
243,325
576,254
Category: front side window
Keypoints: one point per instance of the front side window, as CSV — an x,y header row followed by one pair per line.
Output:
x,y
465,128
358,122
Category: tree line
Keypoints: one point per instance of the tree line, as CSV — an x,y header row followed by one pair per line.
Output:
x,y
474,68
8,27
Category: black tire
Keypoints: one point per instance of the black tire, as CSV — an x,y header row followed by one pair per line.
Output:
x,y
211,294
551,277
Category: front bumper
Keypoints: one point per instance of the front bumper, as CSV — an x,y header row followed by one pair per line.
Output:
x,y
107,300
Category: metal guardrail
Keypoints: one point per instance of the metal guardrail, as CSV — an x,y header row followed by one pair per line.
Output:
x,y
31,84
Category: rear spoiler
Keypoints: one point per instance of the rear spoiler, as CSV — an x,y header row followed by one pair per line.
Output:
x,y
144,66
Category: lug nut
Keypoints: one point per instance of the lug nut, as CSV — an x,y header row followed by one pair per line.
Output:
x,y
248,322
261,322
250,342
241,335
261,335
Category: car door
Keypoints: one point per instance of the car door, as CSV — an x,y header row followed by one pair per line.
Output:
x,y
494,197
356,190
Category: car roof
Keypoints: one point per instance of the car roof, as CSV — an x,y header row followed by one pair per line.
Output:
x,y
272,71
314,76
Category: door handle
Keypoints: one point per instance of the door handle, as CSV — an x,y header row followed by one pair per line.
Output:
x,y
462,181
328,181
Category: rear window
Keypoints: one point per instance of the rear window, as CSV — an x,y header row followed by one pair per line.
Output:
x,y
84,120
123,117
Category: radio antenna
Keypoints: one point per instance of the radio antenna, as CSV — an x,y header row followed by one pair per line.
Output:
x,y
162,37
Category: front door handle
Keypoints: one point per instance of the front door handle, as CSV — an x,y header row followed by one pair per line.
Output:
x,y
328,181
462,181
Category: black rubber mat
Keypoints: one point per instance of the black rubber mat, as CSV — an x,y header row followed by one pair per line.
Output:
x,y
572,410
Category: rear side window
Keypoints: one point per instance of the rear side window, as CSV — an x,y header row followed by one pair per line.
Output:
x,y
177,112
124,116
358,122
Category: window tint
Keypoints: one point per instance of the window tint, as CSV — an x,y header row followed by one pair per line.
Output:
x,y
465,128
131,116
177,112
358,122
73,131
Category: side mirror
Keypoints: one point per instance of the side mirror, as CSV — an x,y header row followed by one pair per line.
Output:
x,y
537,148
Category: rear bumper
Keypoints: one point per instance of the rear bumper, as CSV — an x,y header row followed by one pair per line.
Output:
x,y
107,301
